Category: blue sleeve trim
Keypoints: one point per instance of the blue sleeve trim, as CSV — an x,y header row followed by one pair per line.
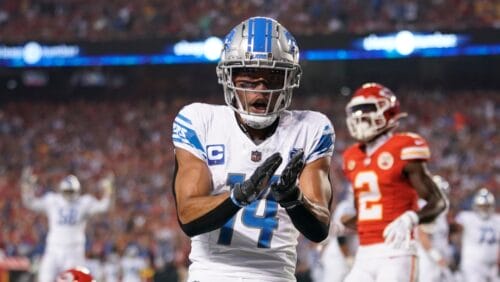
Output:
x,y
325,143
185,135
183,118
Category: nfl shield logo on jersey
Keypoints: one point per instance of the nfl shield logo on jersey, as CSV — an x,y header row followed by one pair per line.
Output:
x,y
293,152
256,156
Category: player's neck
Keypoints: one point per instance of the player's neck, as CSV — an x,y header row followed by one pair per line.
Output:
x,y
373,145
257,135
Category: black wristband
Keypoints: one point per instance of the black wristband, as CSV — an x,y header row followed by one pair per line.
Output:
x,y
212,220
307,223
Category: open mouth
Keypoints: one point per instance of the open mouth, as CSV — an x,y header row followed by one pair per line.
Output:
x,y
258,107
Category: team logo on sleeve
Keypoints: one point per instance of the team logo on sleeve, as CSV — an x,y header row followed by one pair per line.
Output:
x,y
256,156
215,154
351,164
385,160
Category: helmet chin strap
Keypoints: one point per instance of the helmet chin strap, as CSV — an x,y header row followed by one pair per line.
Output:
x,y
258,122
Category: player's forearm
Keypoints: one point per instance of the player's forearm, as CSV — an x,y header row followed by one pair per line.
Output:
x,y
436,204
27,200
190,209
311,219
430,212
33,203
204,214
103,205
424,239
349,221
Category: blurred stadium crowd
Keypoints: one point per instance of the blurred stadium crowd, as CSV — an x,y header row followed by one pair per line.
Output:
x,y
56,20
132,138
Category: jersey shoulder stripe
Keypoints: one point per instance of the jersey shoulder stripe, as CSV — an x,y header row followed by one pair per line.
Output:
x,y
325,142
412,146
322,133
412,153
187,128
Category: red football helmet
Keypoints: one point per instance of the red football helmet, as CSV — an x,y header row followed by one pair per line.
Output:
x,y
373,109
77,274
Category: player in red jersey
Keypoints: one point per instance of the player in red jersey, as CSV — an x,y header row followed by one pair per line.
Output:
x,y
388,173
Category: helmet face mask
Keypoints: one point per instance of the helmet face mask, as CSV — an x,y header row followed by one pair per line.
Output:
x,y
373,110
70,187
264,47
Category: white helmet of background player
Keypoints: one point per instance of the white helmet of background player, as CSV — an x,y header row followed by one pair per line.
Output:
x,y
444,187
70,187
484,203
260,43
442,184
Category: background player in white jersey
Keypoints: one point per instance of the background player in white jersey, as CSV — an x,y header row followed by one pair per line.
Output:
x,y
480,239
67,212
227,157
333,265
434,252
133,265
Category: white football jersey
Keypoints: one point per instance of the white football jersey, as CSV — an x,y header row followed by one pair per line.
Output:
x,y
260,240
67,219
132,268
480,238
333,263
438,231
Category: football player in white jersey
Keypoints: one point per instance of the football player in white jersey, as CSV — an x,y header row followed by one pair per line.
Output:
x,y
433,248
67,212
480,239
251,175
133,265
333,265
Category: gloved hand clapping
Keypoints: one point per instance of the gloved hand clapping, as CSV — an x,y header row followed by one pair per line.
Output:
x,y
285,191
244,193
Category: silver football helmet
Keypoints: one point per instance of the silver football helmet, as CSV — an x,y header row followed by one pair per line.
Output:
x,y
70,187
259,43
484,203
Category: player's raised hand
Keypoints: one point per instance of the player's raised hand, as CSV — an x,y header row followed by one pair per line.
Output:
x,y
398,233
285,191
107,184
246,192
28,179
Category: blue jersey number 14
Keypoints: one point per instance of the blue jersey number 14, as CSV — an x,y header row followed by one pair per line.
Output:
x,y
267,222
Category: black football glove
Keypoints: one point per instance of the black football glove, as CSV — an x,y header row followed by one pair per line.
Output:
x,y
285,191
244,193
